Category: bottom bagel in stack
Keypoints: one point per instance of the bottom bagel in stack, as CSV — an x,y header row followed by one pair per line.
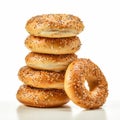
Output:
x,y
38,97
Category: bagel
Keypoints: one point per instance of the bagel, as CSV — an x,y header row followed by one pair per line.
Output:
x,y
53,45
54,25
49,61
76,74
41,78
36,97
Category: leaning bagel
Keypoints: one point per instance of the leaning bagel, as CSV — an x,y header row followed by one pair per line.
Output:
x,y
53,45
41,78
49,61
54,25
76,74
43,98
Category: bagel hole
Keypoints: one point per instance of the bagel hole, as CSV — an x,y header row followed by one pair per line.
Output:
x,y
86,85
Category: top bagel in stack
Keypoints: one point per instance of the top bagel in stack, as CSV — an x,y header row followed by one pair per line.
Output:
x,y
54,25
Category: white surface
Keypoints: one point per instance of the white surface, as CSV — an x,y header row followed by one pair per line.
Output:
x,y
16,111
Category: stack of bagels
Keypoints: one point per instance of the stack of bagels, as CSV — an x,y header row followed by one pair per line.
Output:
x,y
53,43
53,74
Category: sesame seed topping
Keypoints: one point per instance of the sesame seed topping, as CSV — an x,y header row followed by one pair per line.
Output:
x,y
79,71
41,78
39,97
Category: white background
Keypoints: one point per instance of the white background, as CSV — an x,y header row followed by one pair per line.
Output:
x,y
100,38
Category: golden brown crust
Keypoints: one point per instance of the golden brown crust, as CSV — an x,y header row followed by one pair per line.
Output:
x,y
76,74
41,78
49,61
53,45
41,97
54,25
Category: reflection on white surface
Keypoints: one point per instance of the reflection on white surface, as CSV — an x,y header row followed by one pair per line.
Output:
x,y
62,113
98,114
29,113
17,111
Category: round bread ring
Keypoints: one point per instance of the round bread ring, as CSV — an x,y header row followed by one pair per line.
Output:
x,y
49,61
54,25
53,45
76,74
41,78
36,97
